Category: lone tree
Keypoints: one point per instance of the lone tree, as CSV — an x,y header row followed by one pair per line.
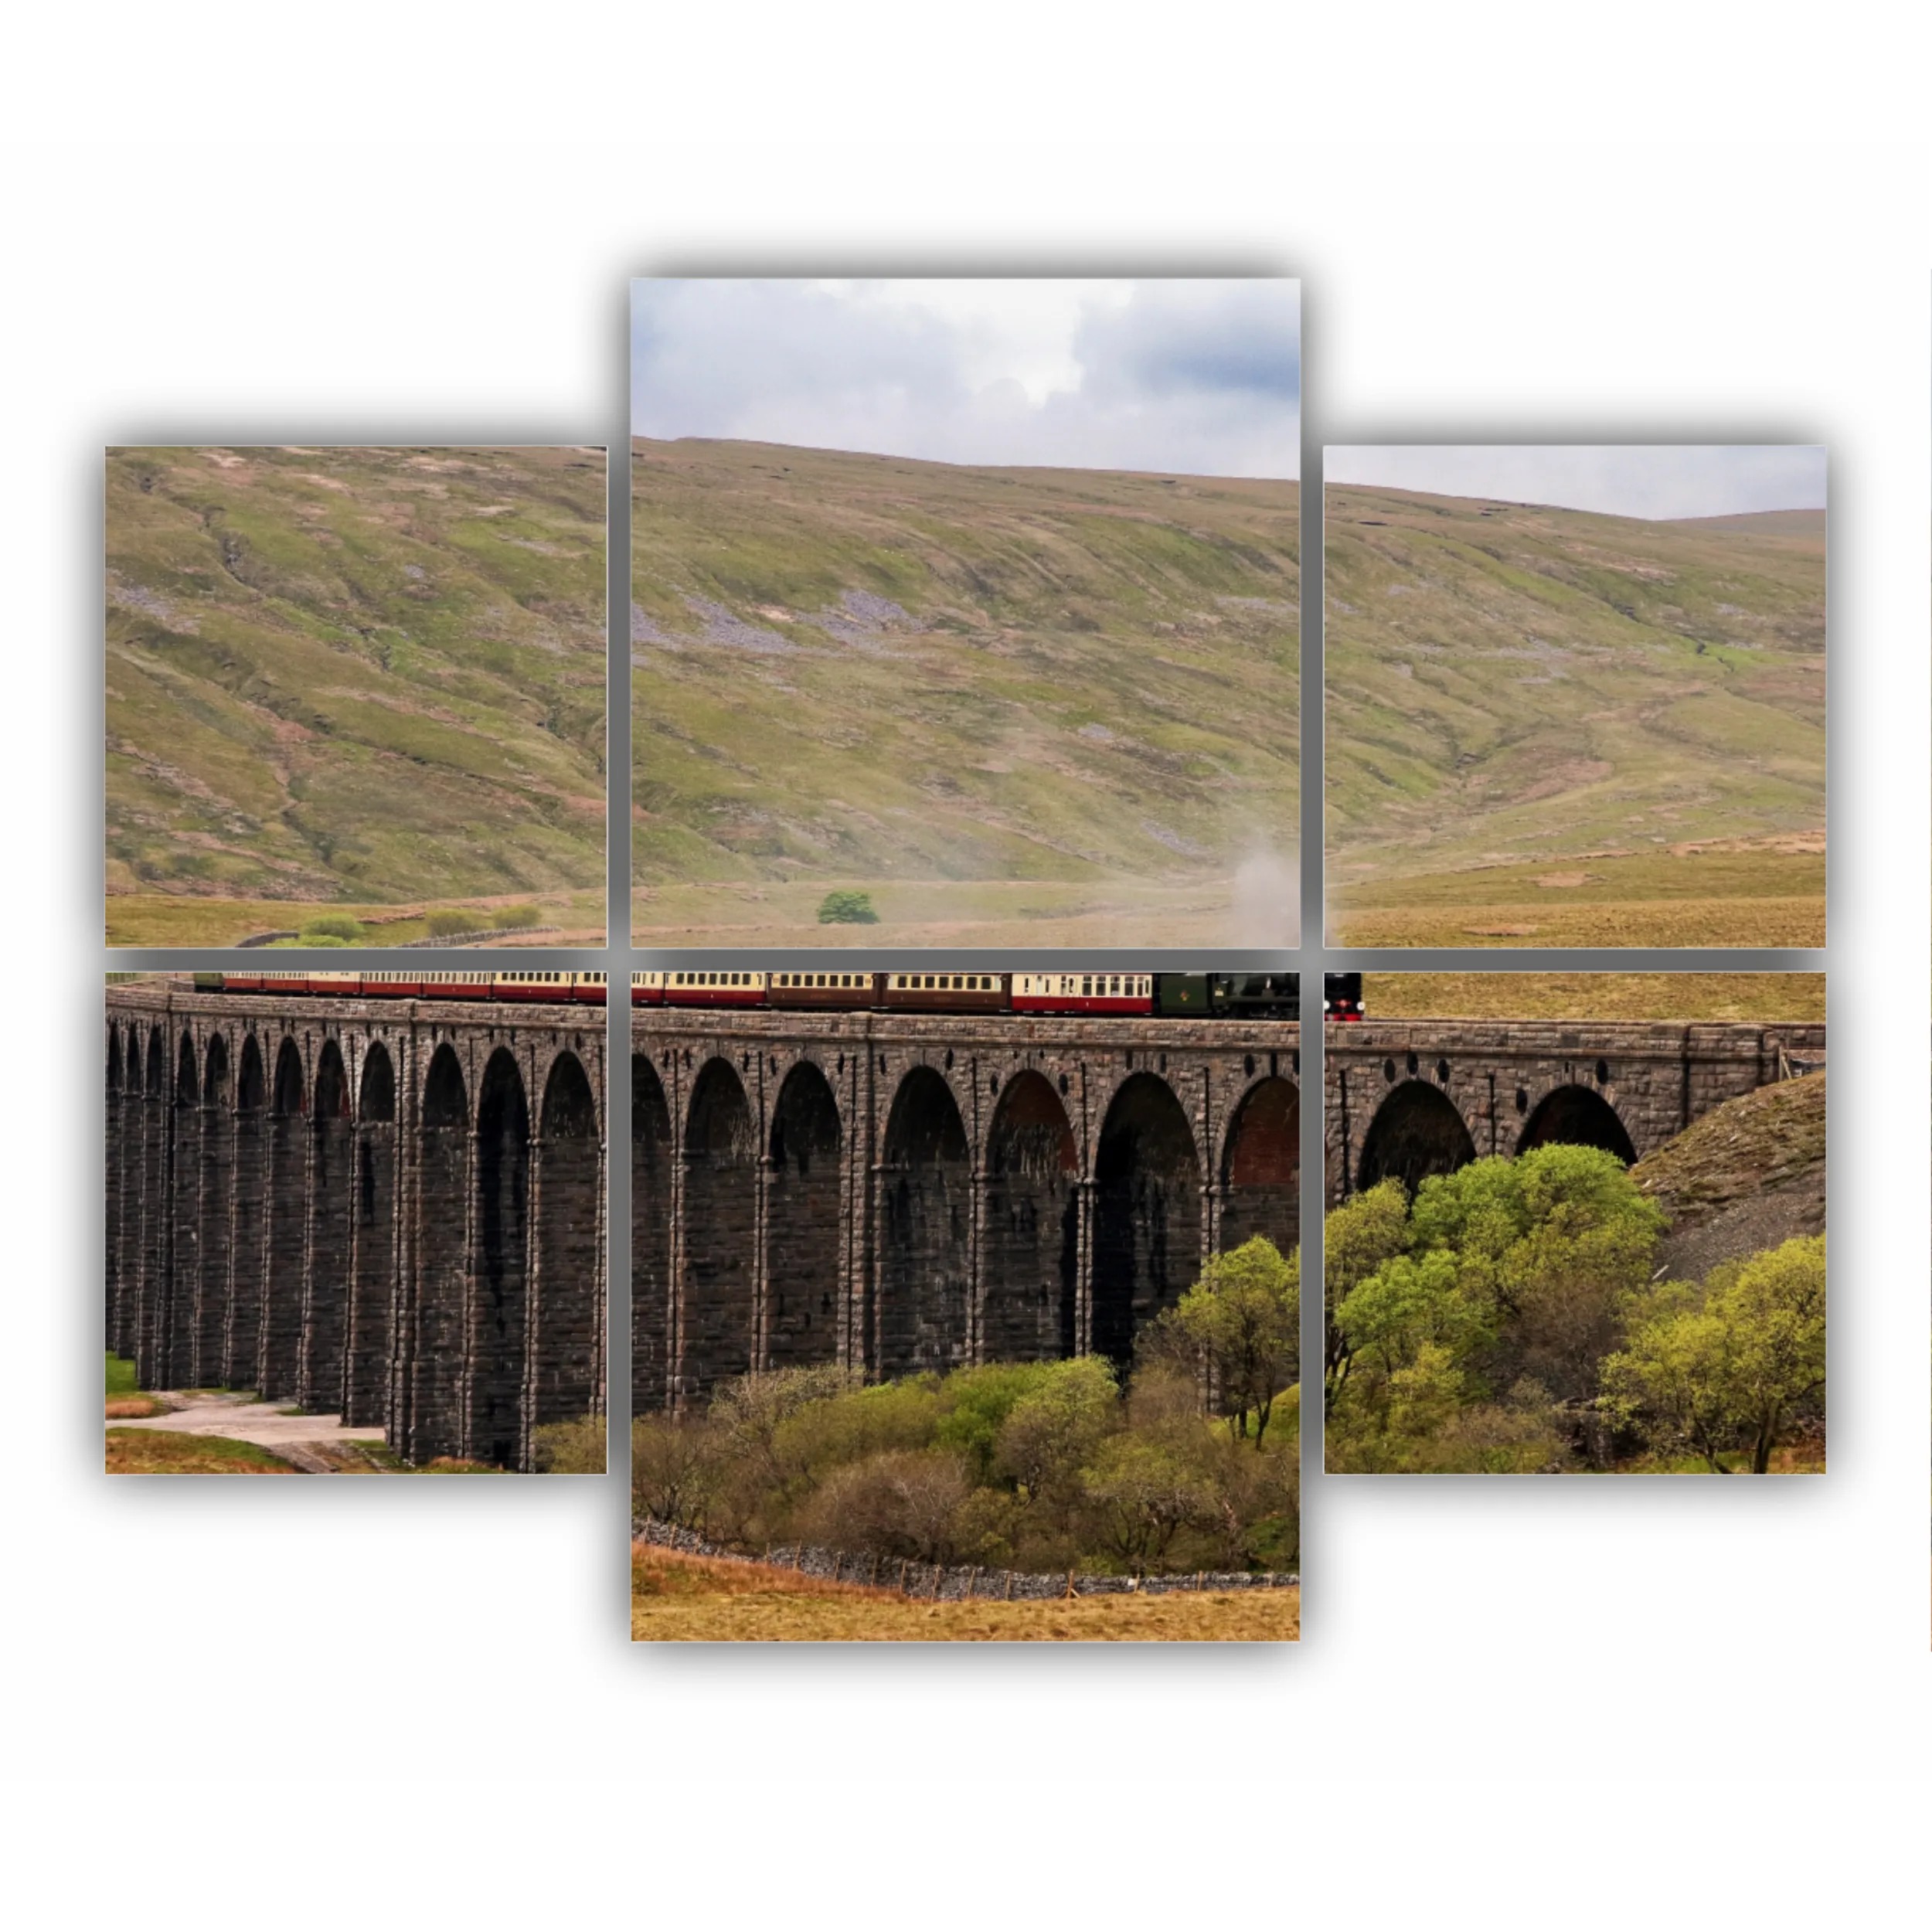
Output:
x,y
847,909
1723,1370
1243,1319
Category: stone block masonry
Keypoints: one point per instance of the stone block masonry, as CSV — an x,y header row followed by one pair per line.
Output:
x,y
900,1192
1410,1098
391,1209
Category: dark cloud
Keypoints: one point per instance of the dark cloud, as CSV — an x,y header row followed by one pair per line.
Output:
x,y
1244,340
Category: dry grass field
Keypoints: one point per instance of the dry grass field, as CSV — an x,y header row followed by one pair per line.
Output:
x,y
1744,999
1259,909
677,1598
173,919
1769,893
149,1452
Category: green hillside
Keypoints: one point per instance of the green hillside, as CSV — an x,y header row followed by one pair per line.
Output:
x,y
351,676
1051,704
1548,724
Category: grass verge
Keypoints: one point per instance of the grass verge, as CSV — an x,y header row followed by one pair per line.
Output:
x,y
155,1452
677,1598
124,1399
179,919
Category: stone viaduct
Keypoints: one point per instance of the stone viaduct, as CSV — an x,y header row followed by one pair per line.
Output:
x,y
394,1209
899,1192
1412,1098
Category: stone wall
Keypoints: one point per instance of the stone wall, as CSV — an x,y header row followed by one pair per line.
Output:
x,y
955,1582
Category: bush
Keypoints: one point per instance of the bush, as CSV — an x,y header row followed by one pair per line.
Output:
x,y
514,918
1034,1466
573,1448
337,926
847,909
674,1471
308,939
448,919
902,1502
1723,1371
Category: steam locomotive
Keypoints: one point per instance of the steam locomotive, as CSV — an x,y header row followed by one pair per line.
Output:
x,y
1167,995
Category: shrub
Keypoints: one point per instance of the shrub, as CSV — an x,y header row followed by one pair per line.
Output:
x,y
337,926
448,919
572,1448
674,1471
514,918
1722,1372
902,1502
847,909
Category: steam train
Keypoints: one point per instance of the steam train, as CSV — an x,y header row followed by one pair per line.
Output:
x,y
1167,995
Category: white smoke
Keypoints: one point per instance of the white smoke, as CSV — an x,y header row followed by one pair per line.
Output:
x,y
1267,901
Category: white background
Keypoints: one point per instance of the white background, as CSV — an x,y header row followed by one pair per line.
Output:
x,y
350,1704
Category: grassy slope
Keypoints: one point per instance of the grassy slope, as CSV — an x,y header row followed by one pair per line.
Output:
x,y
375,675
1768,1141
692,1599
152,1452
1070,678
1577,728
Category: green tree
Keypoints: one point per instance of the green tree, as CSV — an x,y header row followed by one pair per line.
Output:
x,y
1722,1372
1141,1493
1357,1238
1053,1430
1244,1319
1506,1278
847,909
1550,1244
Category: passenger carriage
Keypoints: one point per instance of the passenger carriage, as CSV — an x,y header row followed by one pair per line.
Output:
x,y
466,984
946,992
823,992
721,988
393,985
1083,992
552,987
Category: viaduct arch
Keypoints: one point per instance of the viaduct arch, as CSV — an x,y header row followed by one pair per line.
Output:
x,y
391,1208
896,1192
1410,1098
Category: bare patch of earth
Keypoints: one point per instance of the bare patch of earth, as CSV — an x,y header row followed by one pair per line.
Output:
x,y
316,1444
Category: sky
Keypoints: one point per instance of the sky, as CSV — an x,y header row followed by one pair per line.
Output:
x,y
1192,377
1637,480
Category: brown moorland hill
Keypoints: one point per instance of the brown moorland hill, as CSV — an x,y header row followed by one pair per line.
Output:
x,y
1552,725
939,683
367,676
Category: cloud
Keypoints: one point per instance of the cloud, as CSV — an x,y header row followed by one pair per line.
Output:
x,y
1649,481
1195,377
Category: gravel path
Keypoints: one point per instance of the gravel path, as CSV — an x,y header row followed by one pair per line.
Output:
x,y
241,1418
